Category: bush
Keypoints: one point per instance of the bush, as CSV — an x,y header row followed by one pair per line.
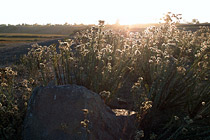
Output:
x,y
14,95
171,68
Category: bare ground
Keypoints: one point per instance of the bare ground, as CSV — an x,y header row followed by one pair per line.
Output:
x,y
11,53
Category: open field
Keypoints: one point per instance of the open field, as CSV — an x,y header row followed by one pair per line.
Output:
x,y
12,38
43,29
162,74
11,53
13,45
26,35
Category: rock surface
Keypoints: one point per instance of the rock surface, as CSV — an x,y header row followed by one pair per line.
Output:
x,y
72,112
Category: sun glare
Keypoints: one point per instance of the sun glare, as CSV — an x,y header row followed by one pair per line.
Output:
x,y
90,11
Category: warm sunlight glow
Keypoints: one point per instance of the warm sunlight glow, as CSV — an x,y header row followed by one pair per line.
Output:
x,y
90,11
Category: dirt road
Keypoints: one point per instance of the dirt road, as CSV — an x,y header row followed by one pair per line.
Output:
x,y
11,54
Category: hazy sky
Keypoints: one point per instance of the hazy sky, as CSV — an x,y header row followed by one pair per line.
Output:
x,y
90,11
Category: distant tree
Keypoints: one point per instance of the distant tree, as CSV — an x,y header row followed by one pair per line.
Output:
x,y
66,23
195,21
35,24
3,25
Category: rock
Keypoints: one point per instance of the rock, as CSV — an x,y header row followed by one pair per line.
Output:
x,y
118,103
72,112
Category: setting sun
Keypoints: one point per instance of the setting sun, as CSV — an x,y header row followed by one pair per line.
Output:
x,y
104,70
90,11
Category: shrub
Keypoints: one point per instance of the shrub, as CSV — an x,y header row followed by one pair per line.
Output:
x,y
171,68
99,61
174,90
14,95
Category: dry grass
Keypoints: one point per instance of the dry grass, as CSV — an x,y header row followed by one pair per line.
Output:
x,y
11,38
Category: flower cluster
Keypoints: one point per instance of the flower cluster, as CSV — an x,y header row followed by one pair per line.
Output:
x,y
173,66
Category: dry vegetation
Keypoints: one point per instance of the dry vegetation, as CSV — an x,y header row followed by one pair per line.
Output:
x,y
170,67
12,38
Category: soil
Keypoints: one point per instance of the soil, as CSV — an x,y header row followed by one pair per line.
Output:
x,y
11,53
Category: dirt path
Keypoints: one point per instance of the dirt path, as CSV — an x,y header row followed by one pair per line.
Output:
x,y
11,53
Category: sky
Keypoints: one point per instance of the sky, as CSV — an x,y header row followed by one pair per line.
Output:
x,y
90,11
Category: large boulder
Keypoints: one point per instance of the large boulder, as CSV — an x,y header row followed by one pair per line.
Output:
x,y
72,112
